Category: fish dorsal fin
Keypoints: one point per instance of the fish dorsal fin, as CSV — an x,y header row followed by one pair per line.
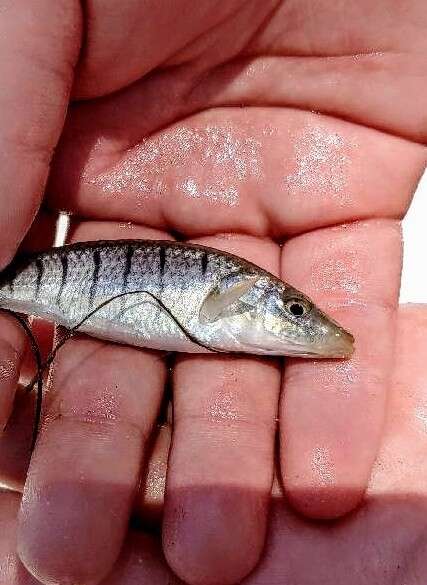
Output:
x,y
221,298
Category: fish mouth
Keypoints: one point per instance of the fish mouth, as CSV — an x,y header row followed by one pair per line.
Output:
x,y
338,345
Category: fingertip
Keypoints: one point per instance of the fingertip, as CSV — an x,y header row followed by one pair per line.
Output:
x,y
198,543
51,543
84,471
11,570
332,412
324,503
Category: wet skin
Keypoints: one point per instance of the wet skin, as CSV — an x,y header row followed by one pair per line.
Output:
x,y
162,141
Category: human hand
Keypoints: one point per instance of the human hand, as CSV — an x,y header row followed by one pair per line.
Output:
x,y
383,542
166,154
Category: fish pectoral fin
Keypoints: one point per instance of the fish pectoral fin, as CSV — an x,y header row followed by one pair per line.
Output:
x,y
221,303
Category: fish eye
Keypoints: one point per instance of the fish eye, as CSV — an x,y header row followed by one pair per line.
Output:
x,y
297,307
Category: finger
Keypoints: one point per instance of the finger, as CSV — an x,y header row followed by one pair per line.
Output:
x,y
38,47
15,442
404,444
84,472
399,479
390,528
39,44
332,411
12,572
12,349
140,562
221,463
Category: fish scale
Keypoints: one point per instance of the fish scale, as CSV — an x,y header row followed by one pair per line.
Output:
x,y
169,295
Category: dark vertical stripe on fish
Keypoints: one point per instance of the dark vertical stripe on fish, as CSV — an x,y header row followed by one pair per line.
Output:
x,y
11,287
96,267
40,270
64,276
127,270
162,261
7,277
204,260
128,267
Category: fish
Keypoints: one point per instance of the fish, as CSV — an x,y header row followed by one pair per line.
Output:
x,y
171,296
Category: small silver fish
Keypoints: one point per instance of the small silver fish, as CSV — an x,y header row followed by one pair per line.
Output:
x,y
171,296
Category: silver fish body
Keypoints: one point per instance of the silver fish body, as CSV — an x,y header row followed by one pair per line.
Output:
x,y
173,296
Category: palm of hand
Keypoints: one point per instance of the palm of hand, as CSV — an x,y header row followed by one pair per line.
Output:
x,y
168,154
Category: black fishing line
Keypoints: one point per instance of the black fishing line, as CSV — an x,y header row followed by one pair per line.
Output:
x,y
42,366
75,328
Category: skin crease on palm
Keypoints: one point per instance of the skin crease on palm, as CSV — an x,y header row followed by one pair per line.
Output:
x,y
290,133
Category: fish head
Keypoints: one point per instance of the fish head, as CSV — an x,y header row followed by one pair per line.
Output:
x,y
289,323
273,318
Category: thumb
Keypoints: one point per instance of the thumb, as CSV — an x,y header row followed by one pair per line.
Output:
x,y
39,44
